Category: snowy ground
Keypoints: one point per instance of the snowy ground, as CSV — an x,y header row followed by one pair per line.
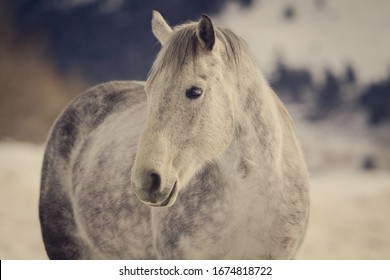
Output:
x,y
20,236
349,217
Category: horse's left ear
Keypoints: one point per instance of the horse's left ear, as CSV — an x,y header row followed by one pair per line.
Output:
x,y
205,33
160,27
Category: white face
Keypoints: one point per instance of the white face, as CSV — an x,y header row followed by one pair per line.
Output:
x,y
190,121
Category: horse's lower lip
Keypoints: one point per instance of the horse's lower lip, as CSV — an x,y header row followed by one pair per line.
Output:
x,y
168,199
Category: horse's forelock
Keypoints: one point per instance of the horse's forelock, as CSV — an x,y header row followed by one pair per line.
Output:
x,y
184,47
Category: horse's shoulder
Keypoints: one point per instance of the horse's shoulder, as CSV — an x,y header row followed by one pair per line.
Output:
x,y
87,111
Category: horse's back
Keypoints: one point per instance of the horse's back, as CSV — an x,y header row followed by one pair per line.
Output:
x,y
82,148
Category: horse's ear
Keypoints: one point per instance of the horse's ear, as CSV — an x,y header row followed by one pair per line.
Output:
x,y
160,27
205,33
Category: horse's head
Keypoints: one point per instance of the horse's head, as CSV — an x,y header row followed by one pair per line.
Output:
x,y
190,109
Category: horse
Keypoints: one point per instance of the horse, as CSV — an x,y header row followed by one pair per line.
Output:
x,y
201,161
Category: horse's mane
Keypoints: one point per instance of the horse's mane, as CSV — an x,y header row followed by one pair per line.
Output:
x,y
284,115
184,46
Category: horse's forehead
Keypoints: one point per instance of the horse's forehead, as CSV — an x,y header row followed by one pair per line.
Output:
x,y
181,64
191,73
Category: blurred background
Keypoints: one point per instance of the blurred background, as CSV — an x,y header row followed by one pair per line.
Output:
x,y
328,60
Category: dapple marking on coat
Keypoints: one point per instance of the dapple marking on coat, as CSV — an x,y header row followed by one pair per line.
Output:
x,y
199,162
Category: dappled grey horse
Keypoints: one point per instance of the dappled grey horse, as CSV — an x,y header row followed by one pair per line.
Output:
x,y
199,162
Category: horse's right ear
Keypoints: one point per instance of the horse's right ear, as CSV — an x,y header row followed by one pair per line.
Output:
x,y
206,33
160,27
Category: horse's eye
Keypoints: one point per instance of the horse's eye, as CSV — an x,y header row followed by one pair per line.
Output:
x,y
194,92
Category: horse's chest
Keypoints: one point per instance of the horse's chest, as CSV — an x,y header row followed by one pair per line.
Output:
x,y
220,229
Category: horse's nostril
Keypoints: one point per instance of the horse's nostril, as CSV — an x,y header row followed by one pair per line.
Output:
x,y
156,181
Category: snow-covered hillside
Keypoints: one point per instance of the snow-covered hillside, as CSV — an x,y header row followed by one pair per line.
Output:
x,y
321,33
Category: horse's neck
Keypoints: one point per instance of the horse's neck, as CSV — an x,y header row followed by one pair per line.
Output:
x,y
259,129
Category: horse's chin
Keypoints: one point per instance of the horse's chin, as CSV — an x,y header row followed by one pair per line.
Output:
x,y
169,200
